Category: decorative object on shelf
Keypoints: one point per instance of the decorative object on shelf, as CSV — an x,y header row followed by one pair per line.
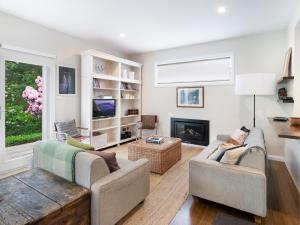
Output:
x,y
294,121
132,112
287,64
282,93
99,68
125,74
127,96
190,97
131,75
282,96
106,97
67,80
125,133
255,84
126,86
96,83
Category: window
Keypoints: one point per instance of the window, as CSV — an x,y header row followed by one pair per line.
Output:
x,y
203,71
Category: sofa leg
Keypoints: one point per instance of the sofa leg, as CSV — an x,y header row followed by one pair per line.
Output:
x,y
258,220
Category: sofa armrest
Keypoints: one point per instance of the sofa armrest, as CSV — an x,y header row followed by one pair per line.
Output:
x,y
116,194
236,186
89,169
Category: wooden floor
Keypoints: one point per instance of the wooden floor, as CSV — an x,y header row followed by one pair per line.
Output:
x,y
169,203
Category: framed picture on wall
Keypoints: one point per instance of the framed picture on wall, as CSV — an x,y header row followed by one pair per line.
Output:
x,y
67,80
191,97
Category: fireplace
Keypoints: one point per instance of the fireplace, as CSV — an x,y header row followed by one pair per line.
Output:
x,y
191,131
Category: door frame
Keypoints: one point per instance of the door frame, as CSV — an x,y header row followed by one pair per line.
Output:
x,y
8,165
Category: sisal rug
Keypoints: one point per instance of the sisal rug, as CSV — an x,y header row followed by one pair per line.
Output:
x,y
167,192
226,219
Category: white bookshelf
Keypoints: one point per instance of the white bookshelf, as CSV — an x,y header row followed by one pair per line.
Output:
x,y
103,75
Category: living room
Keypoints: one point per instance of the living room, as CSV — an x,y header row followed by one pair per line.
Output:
x,y
214,83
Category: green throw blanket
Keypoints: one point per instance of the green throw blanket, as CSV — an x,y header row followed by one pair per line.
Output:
x,y
58,158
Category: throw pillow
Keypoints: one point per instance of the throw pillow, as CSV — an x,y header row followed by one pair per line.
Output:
x,y
238,137
220,150
109,158
232,156
68,127
78,144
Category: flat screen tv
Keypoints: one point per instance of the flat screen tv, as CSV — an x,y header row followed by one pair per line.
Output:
x,y
103,108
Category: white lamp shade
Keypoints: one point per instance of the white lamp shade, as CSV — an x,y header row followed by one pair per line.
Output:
x,y
255,84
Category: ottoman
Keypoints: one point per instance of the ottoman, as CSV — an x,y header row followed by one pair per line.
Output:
x,y
161,156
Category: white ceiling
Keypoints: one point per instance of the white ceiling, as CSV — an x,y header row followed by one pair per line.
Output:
x,y
153,24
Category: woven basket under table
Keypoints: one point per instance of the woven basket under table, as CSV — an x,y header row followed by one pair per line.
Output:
x,y
161,156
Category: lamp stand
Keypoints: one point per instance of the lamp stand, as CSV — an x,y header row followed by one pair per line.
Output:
x,y
254,111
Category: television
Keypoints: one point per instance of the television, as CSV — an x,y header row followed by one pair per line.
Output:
x,y
103,108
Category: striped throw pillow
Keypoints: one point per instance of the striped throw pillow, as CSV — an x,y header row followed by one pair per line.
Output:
x,y
68,127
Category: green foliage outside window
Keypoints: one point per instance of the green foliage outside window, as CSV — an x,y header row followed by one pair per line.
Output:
x,y
20,126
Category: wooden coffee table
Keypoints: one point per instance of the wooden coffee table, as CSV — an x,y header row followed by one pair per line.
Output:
x,y
161,156
39,197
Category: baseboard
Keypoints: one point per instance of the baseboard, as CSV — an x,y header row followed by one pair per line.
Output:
x,y
291,175
276,158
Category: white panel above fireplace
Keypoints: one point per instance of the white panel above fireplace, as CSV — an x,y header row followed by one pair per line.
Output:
x,y
209,70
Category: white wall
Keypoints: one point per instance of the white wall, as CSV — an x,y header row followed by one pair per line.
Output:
x,y
20,33
292,147
225,110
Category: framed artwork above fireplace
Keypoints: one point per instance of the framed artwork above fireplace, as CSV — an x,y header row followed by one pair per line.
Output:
x,y
190,97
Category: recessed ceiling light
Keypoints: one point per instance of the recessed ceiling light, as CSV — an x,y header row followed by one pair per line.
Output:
x,y
222,9
122,35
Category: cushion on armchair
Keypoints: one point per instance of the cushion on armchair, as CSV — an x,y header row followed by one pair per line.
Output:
x,y
68,127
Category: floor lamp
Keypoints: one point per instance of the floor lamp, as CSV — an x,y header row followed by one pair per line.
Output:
x,y
255,84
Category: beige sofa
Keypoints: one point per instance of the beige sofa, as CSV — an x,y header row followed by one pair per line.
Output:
x,y
242,186
113,195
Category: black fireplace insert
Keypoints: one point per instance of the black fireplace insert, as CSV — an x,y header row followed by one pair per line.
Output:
x,y
191,131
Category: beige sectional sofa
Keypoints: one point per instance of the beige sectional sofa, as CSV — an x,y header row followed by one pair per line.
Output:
x,y
113,195
242,186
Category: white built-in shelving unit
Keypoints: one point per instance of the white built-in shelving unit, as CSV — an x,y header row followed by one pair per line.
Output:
x,y
108,71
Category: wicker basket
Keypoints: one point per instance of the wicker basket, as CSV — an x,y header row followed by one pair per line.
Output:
x,y
161,156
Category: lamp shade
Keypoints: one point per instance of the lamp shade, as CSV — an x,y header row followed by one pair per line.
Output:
x,y
255,84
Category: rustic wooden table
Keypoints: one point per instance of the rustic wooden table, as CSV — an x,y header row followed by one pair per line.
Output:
x,y
39,197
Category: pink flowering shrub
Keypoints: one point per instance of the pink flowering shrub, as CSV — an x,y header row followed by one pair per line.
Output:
x,y
34,98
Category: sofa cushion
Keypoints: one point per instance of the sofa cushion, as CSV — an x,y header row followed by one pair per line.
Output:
x,y
233,156
220,150
238,137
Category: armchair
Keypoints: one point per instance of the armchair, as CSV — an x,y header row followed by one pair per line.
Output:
x,y
64,129
148,123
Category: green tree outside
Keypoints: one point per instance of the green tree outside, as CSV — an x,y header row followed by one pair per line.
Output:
x,y
20,126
